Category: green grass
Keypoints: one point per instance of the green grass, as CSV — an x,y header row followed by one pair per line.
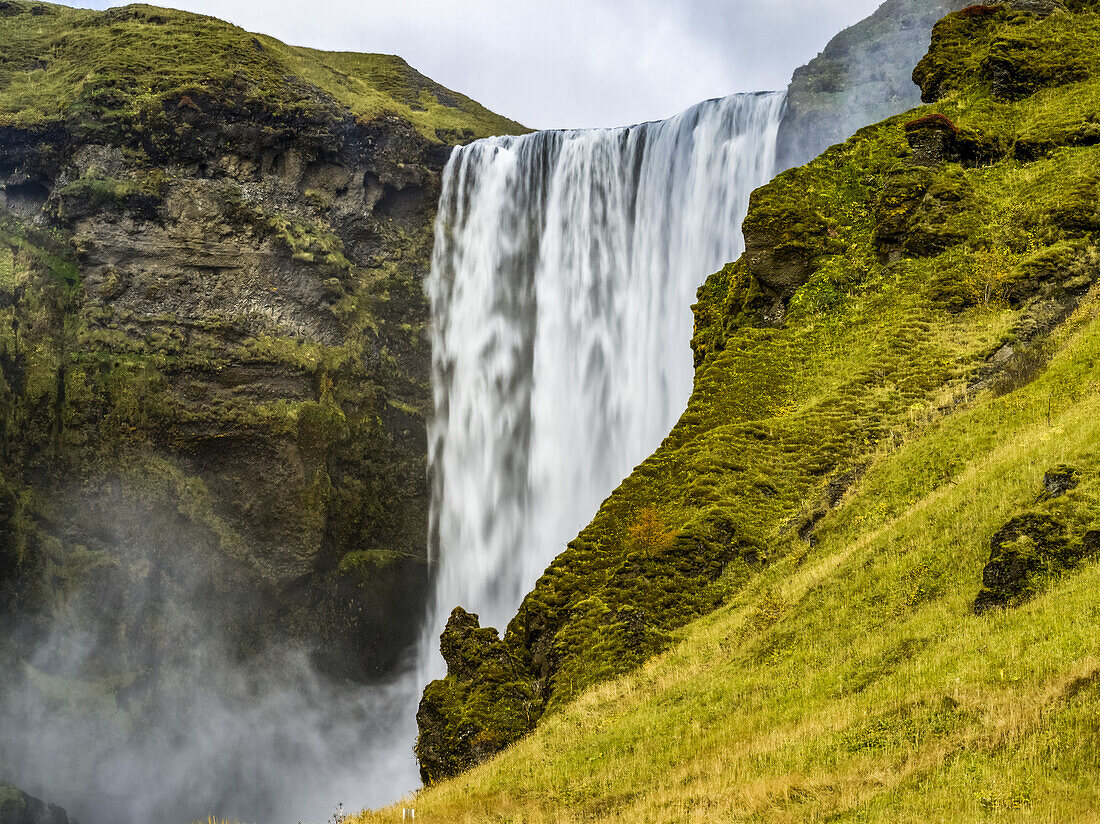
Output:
x,y
848,467
131,64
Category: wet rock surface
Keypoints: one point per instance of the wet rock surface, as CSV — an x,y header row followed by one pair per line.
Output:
x,y
16,807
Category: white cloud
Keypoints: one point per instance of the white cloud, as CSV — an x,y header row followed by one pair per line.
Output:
x,y
566,63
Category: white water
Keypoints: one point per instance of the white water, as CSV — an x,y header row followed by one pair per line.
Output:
x,y
564,270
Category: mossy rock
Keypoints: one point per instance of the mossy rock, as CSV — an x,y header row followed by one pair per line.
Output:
x,y
948,214
481,706
1058,481
903,190
1070,266
1017,67
1033,549
956,39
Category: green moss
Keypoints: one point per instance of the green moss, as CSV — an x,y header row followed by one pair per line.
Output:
x,y
7,269
95,192
308,242
365,563
959,42
135,64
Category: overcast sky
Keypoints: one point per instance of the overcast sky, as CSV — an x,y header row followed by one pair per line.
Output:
x,y
565,63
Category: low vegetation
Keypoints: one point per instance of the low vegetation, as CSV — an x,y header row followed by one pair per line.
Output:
x,y
134,63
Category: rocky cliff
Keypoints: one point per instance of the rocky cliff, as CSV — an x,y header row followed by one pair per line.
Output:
x,y
863,75
919,271
214,367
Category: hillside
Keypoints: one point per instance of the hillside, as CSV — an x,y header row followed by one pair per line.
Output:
x,y
855,582
129,64
213,374
211,247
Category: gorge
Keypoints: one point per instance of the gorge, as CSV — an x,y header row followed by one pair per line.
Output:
x,y
269,437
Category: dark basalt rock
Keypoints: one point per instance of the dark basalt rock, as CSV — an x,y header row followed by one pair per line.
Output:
x,y
932,140
1019,551
16,807
783,241
1028,552
1058,481
1040,8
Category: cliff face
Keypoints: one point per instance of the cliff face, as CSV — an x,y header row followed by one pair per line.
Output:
x,y
921,270
215,373
863,75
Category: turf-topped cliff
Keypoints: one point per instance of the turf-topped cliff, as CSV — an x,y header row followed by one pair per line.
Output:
x,y
129,65
867,547
214,366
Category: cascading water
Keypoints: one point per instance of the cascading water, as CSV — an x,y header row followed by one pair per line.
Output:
x,y
565,266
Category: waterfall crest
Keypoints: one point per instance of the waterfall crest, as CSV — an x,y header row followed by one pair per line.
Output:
x,y
564,269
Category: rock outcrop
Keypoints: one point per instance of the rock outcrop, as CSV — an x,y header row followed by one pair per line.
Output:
x,y
863,75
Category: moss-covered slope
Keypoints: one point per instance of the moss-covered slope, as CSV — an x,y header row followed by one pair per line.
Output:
x,y
129,64
214,367
897,299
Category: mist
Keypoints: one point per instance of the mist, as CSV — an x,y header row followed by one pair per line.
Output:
x,y
135,702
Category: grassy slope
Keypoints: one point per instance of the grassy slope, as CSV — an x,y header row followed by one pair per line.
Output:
x,y
852,679
849,679
84,65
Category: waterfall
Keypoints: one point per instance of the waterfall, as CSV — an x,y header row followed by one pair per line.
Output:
x,y
565,266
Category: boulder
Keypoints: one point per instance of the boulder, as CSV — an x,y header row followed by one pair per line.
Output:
x,y
1058,481
16,807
